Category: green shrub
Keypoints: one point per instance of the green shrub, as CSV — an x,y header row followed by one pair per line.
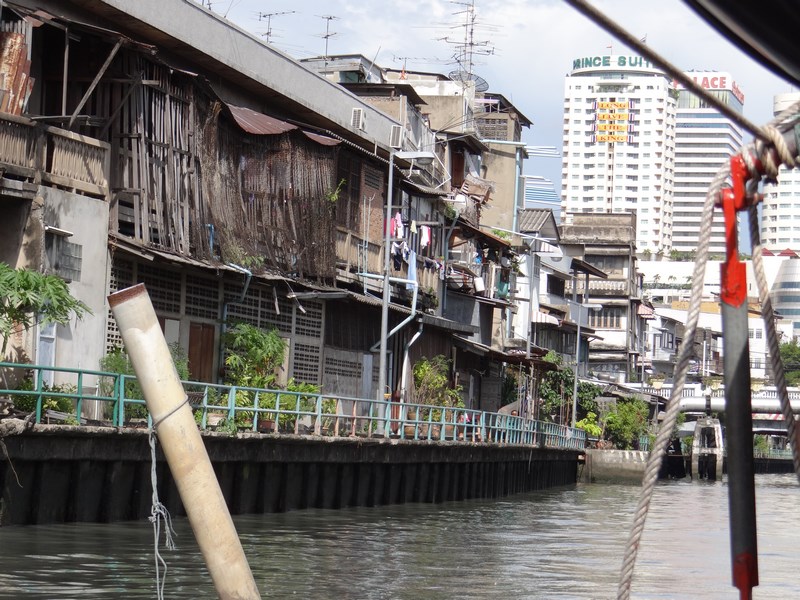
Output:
x,y
27,402
118,361
628,422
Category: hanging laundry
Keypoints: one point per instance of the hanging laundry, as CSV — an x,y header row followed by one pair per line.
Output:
x,y
424,236
413,228
412,269
397,255
398,224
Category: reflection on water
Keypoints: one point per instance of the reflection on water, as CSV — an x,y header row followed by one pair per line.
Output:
x,y
564,543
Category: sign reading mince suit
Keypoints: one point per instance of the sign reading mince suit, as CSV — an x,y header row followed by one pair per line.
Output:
x,y
589,62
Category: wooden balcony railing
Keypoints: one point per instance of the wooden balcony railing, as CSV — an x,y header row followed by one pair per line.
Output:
x,y
354,255
51,155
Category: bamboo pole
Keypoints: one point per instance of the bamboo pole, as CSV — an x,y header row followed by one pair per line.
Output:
x,y
182,444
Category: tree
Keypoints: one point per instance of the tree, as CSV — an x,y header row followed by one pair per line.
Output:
x,y
432,383
790,355
27,296
555,391
627,423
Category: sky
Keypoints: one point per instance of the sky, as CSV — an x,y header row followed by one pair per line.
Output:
x,y
532,44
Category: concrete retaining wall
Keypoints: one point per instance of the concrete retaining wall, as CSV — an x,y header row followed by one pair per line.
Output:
x,y
60,473
613,465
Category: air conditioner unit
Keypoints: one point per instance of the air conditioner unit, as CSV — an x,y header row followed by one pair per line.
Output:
x,y
396,138
358,119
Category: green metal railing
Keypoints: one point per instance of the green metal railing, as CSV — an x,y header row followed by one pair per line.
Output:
x,y
235,408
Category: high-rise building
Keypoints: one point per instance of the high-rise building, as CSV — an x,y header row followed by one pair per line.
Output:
x,y
704,140
619,144
780,219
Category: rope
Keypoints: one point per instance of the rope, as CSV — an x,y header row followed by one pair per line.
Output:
x,y
772,340
159,513
673,405
770,162
170,413
767,313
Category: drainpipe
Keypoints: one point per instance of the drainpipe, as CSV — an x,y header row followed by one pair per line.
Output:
x,y
447,260
182,444
519,147
408,319
404,374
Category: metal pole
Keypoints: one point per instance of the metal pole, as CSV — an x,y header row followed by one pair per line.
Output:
x,y
385,300
738,409
577,364
739,445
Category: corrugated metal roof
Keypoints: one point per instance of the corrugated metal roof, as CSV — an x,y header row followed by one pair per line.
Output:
x,y
258,123
321,139
531,220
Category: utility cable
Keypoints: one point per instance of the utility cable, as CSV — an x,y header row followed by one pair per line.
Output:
x,y
626,38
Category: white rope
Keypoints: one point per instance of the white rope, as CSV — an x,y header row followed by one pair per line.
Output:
x,y
767,313
159,513
673,405
772,340
770,162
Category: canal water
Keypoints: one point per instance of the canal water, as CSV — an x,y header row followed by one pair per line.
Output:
x,y
561,543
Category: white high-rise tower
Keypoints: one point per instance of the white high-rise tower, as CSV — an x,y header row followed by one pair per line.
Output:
x,y
704,140
619,144
780,220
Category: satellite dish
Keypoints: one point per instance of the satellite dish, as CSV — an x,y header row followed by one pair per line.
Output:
x,y
481,85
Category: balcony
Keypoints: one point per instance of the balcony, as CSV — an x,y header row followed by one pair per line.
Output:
x,y
54,156
603,287
355,255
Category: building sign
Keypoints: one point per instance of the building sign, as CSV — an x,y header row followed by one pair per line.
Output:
x,y
605,137
612,116
612,105
623,61
714,80
611,127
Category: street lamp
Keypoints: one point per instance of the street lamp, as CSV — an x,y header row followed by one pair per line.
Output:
x,y
578,356
422,158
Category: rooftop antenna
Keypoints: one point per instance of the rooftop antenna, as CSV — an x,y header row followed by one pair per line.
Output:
x,y
468,48
328,35
268,18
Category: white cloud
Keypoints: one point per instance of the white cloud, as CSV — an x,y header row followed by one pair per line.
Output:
x,y
535,42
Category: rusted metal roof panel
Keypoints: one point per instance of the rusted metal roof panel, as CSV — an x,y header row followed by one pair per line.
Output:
x,y
258,123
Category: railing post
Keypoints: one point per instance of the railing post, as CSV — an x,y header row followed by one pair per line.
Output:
x,y
318,420
79,402
232,403
38,395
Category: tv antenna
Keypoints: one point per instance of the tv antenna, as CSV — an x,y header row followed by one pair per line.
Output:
x,y
328,33
468,47
268,18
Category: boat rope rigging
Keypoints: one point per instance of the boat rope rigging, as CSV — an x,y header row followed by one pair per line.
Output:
x,y
755,160
159,513
745,170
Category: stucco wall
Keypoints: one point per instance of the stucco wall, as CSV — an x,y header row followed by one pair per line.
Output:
x,y
81,343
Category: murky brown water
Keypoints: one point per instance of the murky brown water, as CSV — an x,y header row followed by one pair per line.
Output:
x,y
564,543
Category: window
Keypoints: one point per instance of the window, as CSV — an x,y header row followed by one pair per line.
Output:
x,y
609,317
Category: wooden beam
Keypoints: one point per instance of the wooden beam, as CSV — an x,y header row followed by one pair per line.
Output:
x,y
97,78
134,84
